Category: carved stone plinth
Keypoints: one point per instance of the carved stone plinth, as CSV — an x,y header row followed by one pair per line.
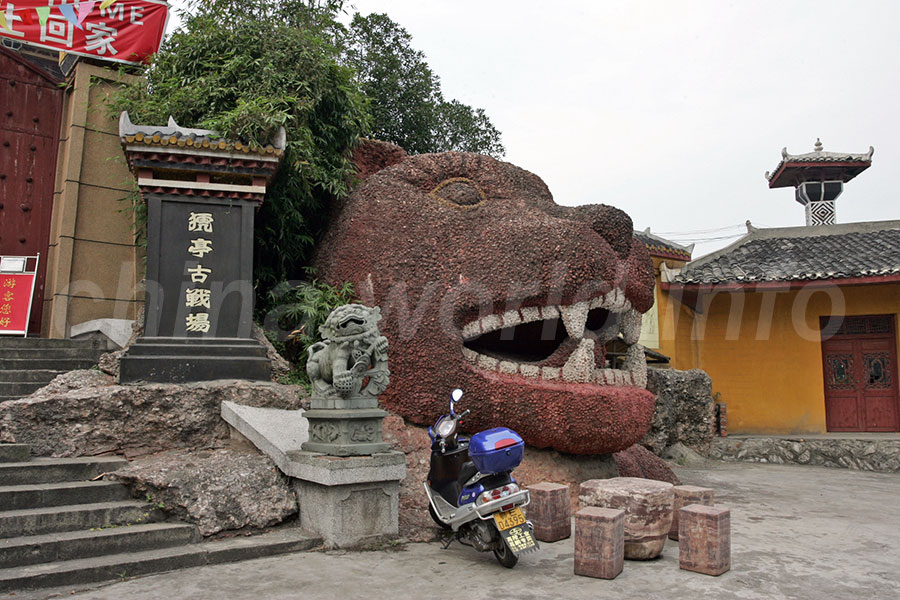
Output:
x,y
599,542
648,510
550,511
704,539
348,501
345,431
686,495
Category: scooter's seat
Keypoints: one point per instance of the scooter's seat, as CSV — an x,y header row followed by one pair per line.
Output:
x,y
466,473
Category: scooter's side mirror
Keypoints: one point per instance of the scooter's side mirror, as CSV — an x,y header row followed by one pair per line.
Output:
x,y
455,395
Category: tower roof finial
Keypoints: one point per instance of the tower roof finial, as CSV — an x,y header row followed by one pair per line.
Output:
x,y
818,145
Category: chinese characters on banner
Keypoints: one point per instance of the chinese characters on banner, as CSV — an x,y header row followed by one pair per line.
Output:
x,y
15,298
199,297
127,31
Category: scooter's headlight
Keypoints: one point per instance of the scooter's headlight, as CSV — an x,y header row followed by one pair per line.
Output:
x,y
445,427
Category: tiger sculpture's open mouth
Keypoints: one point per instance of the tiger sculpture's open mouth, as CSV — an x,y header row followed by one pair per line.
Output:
x,y
560,343
534,309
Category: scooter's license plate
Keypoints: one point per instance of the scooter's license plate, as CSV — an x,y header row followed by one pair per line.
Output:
x,y
508,519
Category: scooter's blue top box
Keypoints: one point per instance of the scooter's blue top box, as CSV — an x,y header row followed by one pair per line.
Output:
x,y
496,450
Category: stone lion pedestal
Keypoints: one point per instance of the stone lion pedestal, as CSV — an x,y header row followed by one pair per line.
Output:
x,y
348,501
347,479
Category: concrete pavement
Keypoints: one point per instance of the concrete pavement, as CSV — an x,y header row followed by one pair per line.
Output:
x,y
797,532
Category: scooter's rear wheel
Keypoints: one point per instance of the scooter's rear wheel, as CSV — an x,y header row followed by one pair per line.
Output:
x,y
505,556
435,517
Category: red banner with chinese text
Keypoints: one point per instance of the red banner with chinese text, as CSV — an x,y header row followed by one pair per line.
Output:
x,y
15,300
126,31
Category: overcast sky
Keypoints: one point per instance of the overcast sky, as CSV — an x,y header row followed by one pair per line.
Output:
x,y
674,110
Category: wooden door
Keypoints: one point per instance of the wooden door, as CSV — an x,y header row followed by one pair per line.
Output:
x,y
860,366
30,109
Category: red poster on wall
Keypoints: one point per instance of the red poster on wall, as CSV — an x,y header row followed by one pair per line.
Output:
x,y
15,302
126,31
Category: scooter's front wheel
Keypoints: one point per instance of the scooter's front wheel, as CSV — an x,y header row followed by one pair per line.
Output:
x,y
435,517
505,556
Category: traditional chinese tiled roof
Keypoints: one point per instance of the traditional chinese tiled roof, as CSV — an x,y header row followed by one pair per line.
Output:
x,y
839,165
197,162
663,248
185,137
832,252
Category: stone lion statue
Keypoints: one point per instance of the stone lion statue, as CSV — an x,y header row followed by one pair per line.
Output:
x,y
351,359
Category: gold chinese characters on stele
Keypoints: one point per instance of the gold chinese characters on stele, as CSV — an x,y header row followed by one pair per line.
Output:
x,y
199,297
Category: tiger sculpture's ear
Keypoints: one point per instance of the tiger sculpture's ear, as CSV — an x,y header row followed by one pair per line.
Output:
x,y
371,156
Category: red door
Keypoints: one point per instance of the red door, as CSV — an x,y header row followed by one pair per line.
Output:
x,y
860,366
30,108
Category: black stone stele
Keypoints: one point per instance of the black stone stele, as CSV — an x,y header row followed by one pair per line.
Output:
x,y
201,193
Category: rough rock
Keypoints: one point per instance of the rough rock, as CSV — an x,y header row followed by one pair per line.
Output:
x,y
371,156
489,242
648,511
278,364
684,410
87,413
864,455
109,362
217,490
537,466
637,461
414,524
683,456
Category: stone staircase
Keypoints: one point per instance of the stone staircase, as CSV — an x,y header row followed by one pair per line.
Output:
x,y
27,364
60,527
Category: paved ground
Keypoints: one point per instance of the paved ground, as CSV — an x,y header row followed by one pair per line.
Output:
x,y
798,532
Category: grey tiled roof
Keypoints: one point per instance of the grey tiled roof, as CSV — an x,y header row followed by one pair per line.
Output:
x,y
859,161
802,253
174,134
662,247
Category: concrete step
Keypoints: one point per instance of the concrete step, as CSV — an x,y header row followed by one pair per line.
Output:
x,y
14,453
133,564
52,470
37,521
191,367
55,353
17,342
223,350
71,545
20,375
40,495
19,389
62,364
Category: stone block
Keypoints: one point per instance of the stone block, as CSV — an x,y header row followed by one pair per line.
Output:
x,y
599,542
704,539
346,516
550,511
349,501
685,495
648,510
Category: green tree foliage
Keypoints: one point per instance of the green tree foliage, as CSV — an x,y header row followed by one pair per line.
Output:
x,y
245,68
407,105
293,326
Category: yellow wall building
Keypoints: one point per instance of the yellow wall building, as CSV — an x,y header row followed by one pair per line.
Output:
x,y
797,327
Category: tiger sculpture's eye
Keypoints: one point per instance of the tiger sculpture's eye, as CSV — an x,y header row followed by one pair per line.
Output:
x,y
459,191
